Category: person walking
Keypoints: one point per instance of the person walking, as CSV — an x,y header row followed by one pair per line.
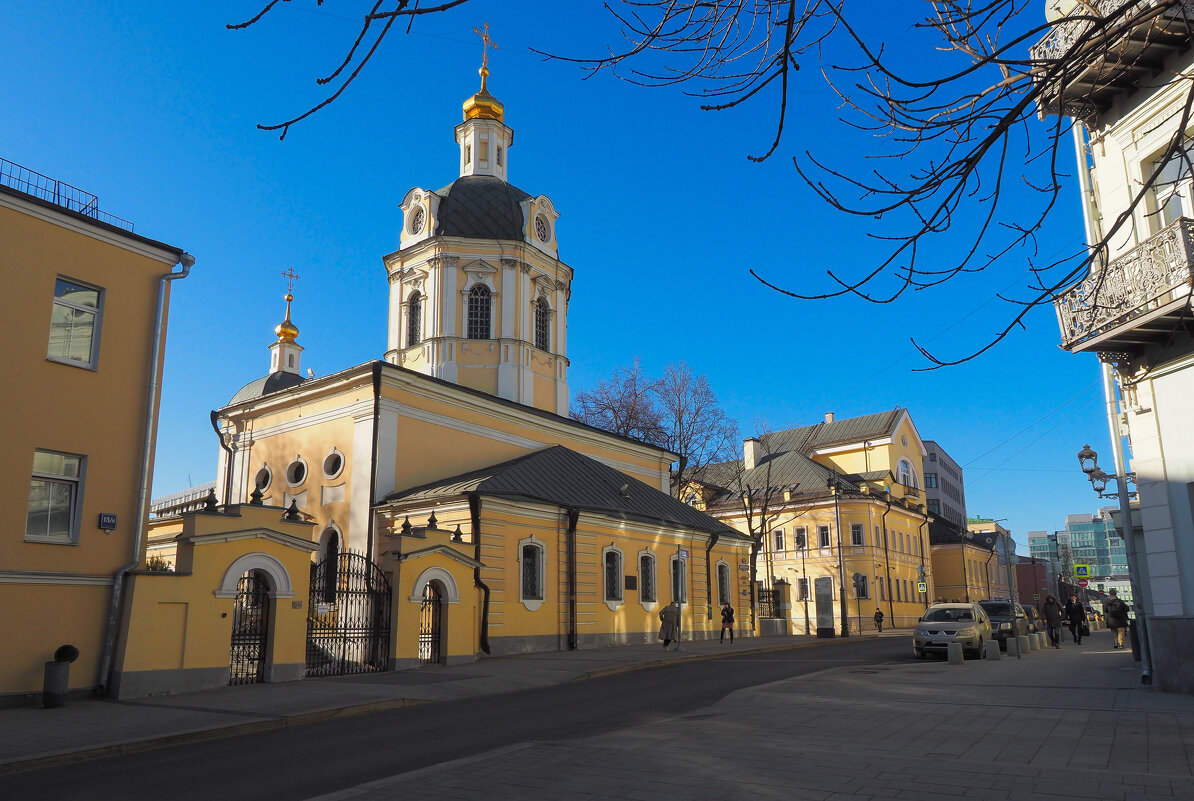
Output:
x,y
727,622
1117,618
1075,614
669,628
879,620
1052,613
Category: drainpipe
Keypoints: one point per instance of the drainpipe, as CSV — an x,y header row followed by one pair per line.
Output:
x,y
186,261
713,538
474,511
573,518
215,425
887,564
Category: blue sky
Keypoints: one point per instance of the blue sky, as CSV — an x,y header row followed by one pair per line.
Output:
x,y
153,108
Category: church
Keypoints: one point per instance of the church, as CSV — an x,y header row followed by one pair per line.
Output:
x,y
436,505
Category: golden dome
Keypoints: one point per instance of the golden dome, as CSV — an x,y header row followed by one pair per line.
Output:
x,y
286,330
483,104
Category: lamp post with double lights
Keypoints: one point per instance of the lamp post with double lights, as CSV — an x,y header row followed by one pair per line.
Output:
x,y
834,485
1088,460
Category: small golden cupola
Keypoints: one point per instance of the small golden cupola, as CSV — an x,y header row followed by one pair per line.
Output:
x,y
286,330
285,352
483,137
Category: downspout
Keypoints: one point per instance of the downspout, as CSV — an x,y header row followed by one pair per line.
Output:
x,y
369,526
573,517
474,511
186,260
215,426
887,565
713,538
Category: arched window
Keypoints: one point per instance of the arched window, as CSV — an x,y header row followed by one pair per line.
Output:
x,y
613,574
531,571
723,584
331,564
679,585
542,324
414,319
907,474
479,307
646,578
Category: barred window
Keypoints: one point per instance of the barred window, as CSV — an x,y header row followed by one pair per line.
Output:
x,y
679,585
542,325
414,320
613,575
532,572
723,585
479,311
646,578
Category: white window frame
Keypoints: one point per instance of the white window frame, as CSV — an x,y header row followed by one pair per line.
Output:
x,y
825,541
678,574
798,533
532,603
777,540
486,309
725,581
653,574
865,595
300,461
906,467
96,311
616,602
857,534
76,485
414,318
541,320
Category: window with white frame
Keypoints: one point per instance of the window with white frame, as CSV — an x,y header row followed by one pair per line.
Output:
x,y
802,589
882,594
823,536
542,324
612,562
724,591
75,324
646,578
778,537
530,557
1171,191
54,497
856,536
679,581
907,473
799,538
930,481
414,319
480,308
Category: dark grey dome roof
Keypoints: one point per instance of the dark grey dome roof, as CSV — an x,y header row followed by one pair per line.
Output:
x,y
481,207
274,382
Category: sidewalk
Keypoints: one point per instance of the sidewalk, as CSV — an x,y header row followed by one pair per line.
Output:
x,y
88,728
1068,723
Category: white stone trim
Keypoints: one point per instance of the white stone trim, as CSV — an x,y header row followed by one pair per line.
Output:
x,y
280,586
451,593
533,604
614,604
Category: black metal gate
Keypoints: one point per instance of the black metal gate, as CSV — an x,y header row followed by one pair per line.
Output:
x,y
348,617
250,630
429,625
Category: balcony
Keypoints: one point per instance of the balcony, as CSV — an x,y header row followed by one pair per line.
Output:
x,y
1134,301
1137,37
57,192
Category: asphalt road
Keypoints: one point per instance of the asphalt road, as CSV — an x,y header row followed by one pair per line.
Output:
x,y
306,761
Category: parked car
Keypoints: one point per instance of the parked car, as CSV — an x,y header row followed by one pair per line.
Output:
x,y
1034,618
942,624
1007,620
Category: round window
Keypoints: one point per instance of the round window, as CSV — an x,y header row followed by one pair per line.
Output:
x,y
333,464
296,473
263,478
417,218
542,228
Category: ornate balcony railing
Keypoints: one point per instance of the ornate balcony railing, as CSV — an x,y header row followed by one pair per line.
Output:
x,y
1143,280
57,192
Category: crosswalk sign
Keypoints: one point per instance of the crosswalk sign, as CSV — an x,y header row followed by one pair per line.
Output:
x,y
1082,571
922,586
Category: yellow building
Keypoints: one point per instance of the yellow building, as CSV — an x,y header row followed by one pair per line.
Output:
x,y
84,331
966,564
835,511
452,508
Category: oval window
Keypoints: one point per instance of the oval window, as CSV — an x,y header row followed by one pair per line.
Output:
x,y
296,473
333,464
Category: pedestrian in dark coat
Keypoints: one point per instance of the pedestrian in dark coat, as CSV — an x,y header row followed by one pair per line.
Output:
x,y
1052,612
1075,613
879,619
1117,618
669,628
727,622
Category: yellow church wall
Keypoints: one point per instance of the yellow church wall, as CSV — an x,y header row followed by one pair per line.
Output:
x,y
178,626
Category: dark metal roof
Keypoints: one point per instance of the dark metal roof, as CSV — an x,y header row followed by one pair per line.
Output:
x,y
565,478
274,382
481,207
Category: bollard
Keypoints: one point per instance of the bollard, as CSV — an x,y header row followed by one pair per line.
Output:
x,y
954,652
57,676
992,650
1023,643
1013,646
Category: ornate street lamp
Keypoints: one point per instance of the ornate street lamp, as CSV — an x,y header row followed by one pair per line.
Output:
x,y
1088,459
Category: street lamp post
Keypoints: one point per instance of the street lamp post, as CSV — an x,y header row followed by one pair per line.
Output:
x,y
833,485
1088,460
801,541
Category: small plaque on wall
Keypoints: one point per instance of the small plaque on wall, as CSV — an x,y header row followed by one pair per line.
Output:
x,y
632,582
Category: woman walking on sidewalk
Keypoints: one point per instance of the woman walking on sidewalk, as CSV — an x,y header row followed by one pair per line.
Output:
x,y
727,622
1052,612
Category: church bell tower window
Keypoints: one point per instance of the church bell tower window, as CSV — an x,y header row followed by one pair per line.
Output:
x,y
542,325
479,310
414,320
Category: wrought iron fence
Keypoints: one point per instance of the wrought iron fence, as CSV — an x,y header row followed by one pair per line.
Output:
x,y
57,192
766,607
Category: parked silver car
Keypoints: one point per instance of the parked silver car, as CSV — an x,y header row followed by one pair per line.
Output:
x,y
964,623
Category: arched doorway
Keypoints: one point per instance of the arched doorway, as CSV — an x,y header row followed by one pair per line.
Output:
x,y
431,624
250,629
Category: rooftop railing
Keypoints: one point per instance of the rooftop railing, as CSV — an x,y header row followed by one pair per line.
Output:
x,y
57,192
1142,280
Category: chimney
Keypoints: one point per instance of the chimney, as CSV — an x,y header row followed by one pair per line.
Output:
x,y
751,451
828,417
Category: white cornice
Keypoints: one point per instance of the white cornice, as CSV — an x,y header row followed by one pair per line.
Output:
x,y
45,577
74,224
289,540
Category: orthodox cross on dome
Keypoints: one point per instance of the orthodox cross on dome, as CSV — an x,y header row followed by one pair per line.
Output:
x,y
291,276
486,43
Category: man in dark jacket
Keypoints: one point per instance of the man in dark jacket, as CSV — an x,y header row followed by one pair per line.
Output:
x,y
1075,613
1052,613
1117,618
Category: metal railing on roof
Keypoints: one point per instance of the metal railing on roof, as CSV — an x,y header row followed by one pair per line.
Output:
x,y
57,192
